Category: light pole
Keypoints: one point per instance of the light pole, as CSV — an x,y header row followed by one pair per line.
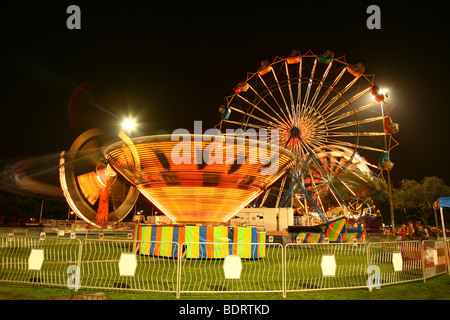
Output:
x,y
391,204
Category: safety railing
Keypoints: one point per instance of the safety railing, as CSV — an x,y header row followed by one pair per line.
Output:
x,y
231,267
319,266
434,258
129,265
38,260
217,267
395,262
448,256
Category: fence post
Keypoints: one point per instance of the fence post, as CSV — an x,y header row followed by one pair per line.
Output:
x,y
446,248
368,261
179,255
422,252
283,267
80,252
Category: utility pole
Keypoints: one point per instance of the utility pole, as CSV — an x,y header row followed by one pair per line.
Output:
x,y
40,214
391,204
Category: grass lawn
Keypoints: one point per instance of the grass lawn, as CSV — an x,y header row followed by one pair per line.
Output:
x,y
437,288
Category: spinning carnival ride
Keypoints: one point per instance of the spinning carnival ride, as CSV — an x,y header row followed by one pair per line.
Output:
x,y
192,185
328,113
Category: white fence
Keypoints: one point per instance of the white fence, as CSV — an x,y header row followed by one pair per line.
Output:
x,y
319,266
40,260
237,267
117,264
217,267
396,262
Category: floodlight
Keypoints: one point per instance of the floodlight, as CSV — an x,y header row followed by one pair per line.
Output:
x,y
128,124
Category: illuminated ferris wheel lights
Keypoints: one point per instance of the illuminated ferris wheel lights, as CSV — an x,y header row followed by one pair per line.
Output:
x,y
241,86
357,69
294,57
265,68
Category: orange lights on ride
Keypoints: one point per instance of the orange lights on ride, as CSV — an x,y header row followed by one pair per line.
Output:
x,y
356,69
241,86
390,126
264,68
93,183
193,192
294,57
105,174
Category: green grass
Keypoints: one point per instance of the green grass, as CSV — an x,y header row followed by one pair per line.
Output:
x,y
437,288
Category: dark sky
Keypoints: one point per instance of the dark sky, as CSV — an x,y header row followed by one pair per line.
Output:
x,y
175,62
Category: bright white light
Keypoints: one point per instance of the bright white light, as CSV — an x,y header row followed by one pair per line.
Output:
x,y
384,92
128,124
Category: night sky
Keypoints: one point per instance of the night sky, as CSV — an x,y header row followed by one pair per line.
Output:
x,y
175,62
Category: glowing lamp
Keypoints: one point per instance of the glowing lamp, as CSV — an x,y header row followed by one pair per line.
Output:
x,y
200,179
379,94
128,124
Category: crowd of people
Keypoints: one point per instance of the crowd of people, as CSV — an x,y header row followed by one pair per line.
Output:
x,y
412,231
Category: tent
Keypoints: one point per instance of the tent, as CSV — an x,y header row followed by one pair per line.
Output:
x,y
442,203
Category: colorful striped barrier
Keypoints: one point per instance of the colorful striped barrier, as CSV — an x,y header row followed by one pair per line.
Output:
x,y
352,235
242,236
310,237
336,232
200,242
158,240
216,234
337,229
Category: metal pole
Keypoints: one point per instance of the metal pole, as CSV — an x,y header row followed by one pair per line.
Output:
x,y
40,214
391,205
78,270
445,240
443,224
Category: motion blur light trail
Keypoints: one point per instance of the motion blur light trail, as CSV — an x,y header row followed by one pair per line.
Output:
x,y
197,192
38,175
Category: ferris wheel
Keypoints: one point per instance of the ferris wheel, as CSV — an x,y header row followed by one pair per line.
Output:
x,y
328,112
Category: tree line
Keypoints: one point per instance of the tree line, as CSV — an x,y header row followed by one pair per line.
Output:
x,y
414,200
